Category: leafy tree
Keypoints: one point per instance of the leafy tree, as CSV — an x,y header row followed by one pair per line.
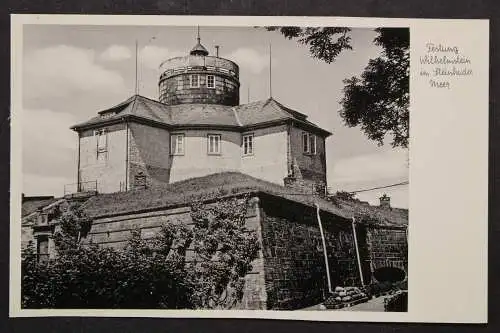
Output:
x,y
377,100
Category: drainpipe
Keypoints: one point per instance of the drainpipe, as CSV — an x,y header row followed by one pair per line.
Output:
x,y
357,251
324,250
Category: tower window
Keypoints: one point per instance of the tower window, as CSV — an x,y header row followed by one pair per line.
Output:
x,y
214,144
177,144
210,81
309,143
248,144
194,81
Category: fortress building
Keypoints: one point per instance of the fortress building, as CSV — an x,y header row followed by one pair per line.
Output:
x,y
150,160
197,127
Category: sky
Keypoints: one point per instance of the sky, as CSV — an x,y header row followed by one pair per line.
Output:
x,y
72,72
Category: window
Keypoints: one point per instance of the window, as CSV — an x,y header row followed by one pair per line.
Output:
x,y
102,143
309,143
210,81
107,115
213,144
248,144
194,81
43,248
177,144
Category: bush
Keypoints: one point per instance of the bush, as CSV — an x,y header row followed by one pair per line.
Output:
x,y
95,277
146,274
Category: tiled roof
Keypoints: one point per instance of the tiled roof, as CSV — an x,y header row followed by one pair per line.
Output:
x,y
199,49
252,114
218,185
32,204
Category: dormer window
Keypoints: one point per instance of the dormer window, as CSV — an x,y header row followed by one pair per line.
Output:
x,y
194,80
106,115
309,143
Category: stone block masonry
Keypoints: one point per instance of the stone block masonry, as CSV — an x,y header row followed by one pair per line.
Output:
x,y
289,270
387,247
294,267
115,231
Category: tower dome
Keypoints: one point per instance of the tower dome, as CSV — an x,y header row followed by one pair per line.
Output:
x,y
199,49
199,78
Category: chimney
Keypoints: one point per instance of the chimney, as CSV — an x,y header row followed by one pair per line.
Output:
x,y
385,201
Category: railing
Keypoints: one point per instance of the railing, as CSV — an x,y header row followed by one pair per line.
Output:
x,y
89,186
209,69
208,61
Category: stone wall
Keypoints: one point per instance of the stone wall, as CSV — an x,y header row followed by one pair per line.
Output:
x,y
176,89
387,247
312,166
116,231
294,265
289,271
149,154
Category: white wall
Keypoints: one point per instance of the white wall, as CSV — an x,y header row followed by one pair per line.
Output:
x,y
269,161
196,162
110,172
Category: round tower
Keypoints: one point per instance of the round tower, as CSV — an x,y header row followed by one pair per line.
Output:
x,y
199,78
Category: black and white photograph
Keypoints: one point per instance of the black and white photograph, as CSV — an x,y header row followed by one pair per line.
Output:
x,y
256,168
247,168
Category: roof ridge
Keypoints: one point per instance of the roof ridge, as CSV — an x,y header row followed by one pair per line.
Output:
x,y
125,102
290,111
132,108
276,106
152,100
251,103
236,116
150,111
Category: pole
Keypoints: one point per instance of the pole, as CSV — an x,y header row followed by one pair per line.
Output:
x,y
324,250
126,155
136,80
357,251
270,73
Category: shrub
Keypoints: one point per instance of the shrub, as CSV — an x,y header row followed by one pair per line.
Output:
x,y
146,274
